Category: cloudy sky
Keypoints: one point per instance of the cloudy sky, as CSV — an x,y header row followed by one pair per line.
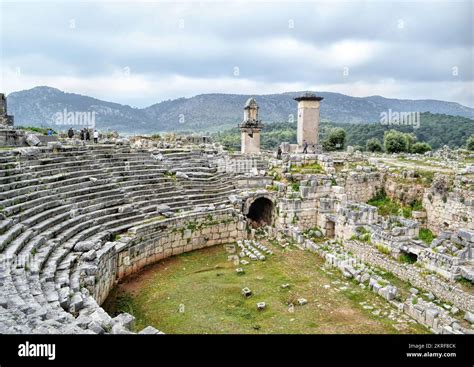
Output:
x,y
139,53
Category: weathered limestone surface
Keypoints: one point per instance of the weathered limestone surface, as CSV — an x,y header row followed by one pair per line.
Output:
x,y
74,219
149,243
449,211
349,263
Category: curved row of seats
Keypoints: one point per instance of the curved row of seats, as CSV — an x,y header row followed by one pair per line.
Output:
x,y
52,198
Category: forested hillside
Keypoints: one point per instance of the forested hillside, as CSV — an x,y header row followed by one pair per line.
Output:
x,y
435,129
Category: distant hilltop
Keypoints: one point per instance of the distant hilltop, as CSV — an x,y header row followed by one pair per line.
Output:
x,y
209,112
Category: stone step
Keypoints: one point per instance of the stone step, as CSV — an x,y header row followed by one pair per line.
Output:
x,y
7,190
53,180
86,198
90,189
144,182
59,217
121,171
133,193
42,254
62,165
17,244
7,196
33,207
10,178
5,225
12,232
66,229
9,165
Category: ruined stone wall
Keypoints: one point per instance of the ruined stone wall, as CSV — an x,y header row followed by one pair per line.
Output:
x,y
412,274
297,211
449,211
355,266
149,243
362,186
11,137
403,191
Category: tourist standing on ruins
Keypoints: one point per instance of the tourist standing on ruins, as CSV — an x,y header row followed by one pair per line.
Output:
x,y
305,147
279,153
70,133
96,136
88,135
83,135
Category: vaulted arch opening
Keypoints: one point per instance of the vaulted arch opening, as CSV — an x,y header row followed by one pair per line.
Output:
x,y
260,212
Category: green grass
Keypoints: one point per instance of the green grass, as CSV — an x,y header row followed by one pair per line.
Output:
x,y
407,258
382,249
466,285
295,186
426,235
209,288
387,206
384,204
310,168
39,130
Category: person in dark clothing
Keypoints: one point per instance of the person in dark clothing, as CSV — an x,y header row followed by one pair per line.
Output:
x,y
88,135
279,153
70,133
305,147
83,134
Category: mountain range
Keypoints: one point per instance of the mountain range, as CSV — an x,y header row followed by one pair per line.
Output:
x,y
208,112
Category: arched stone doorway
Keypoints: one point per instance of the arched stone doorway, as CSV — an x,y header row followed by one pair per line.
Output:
x,y
260,212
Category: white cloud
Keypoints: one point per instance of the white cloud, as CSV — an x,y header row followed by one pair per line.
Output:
x,y
167,61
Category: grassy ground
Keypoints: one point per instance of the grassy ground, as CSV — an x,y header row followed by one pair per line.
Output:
x,y
312,168
206,285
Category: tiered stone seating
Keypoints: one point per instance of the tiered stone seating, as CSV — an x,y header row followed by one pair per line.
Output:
x,y
54,198
199,178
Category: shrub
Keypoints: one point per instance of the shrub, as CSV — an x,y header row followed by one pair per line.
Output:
x,y
395,141
374,145
335,140
295,186
407,258
470,143
426,235
384,204
420,148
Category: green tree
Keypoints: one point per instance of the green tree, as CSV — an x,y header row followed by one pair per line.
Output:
x,y
470,143
420,148
411,140
395,141
374,145
335,140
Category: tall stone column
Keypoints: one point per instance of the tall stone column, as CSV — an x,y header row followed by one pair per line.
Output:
x,y
250,128
308,118
6,121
